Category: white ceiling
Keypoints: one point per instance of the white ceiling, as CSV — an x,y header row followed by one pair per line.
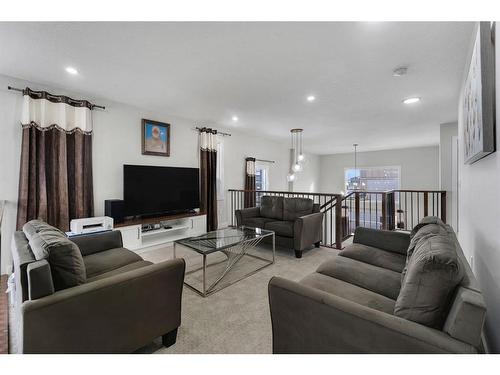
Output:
x,y
262,73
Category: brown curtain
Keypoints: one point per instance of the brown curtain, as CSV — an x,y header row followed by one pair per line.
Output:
x,y
55,182
208,176
249,200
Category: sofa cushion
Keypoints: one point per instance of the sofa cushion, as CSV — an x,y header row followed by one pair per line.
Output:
x,y
294,208
33,227
378,280
350,292
117,271
256,222
64,257
394,241
377,257
109,260
426,221
424,232
433,273
96,242
271,207
281,228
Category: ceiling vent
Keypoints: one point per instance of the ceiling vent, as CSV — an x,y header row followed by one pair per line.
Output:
x,y
400,72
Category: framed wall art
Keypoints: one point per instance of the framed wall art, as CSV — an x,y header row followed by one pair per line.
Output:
x,y
155,138
478,105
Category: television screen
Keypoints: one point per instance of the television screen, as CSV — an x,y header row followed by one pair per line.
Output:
x,y
149,190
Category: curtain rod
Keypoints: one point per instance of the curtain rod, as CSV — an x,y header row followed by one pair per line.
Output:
x,y
265,161
218,132
21,90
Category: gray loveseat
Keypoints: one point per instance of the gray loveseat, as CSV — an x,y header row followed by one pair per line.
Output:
x,y
91,295
388,292
296,222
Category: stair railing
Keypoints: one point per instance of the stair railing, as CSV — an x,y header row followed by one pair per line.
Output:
x,y
388,210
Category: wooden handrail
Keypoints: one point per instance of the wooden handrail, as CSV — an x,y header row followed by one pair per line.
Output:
x,y
329,194
283,192
330,202
416,191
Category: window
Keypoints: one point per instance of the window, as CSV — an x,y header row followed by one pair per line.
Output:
x,y
261,180
373,178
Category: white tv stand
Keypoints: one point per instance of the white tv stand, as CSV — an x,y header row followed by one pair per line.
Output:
x,y
182,226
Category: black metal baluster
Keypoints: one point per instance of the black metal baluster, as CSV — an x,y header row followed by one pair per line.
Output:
x,y
370,207
411,197
233,209
405,209
365,210
418,207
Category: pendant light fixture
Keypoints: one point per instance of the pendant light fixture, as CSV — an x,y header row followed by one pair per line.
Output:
x,y
297,153
354,182
356,176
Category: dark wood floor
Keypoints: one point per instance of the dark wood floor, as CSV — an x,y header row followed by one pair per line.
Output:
x,y
4,316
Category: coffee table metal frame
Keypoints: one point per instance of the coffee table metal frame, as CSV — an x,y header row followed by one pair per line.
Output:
x,y
234,253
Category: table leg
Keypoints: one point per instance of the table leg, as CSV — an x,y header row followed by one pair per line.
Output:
x,y
174,252
204,273
274,246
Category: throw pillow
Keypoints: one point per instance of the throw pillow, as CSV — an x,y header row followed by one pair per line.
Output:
x,y
64,257
433,273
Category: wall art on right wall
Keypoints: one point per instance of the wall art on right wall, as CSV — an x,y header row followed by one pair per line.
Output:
x,y
478,104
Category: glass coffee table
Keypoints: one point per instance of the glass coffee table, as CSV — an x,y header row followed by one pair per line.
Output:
x,y
233,244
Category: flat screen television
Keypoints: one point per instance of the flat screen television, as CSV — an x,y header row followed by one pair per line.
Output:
x,y
149,190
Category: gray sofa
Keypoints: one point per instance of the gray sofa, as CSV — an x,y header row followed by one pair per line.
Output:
x,y
91,295
296,222
388,292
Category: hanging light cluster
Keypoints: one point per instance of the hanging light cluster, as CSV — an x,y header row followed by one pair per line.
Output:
x,y
355,183
297,152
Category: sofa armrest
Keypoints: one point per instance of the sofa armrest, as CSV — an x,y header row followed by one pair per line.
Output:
x,y
307,230
97,242
118,314
308,320
396,242
246,213
40,282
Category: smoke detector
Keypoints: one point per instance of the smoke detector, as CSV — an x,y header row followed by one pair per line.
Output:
x,y
400,72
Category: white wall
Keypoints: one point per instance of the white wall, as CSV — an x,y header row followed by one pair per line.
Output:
x,y
10,151
479,224
116,141
446,133
419,167
307,180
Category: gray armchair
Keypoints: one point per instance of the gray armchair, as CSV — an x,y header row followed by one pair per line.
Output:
x,y
124,303
297,222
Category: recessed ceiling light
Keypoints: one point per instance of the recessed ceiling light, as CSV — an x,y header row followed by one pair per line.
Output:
x,y
411,100
235,118
311,98
71,70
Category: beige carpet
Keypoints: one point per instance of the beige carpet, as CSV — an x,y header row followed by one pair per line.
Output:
x,y
235,319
